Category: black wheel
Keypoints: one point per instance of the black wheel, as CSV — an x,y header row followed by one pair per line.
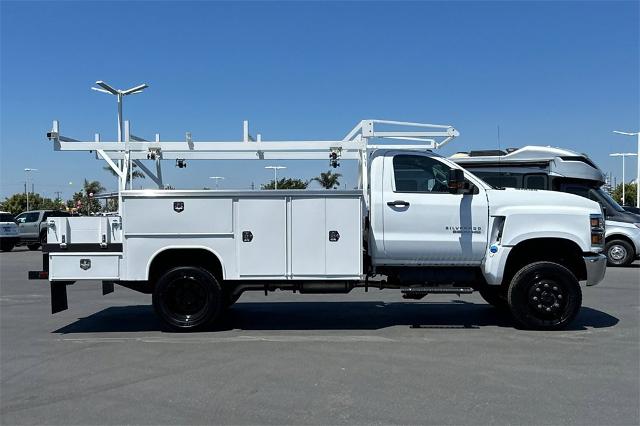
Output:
x,y
188,298
7,246
544,296
33,247
494,295
619,253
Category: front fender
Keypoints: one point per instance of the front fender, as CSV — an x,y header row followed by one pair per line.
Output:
x,y
527,226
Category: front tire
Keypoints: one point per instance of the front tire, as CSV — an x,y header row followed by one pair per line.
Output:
x,y
188,298
619,253
544,296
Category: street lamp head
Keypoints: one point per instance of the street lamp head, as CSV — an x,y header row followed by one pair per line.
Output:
x,y
626,133
623,154
30,170
105,88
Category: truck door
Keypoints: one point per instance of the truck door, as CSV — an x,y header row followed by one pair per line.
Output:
x,y
28,225
424,224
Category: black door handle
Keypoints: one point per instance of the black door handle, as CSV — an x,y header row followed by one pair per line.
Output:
x,y
398,203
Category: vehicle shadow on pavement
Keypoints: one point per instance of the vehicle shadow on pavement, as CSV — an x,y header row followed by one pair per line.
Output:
x,y
328,316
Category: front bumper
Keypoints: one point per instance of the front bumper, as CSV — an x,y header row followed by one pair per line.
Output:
x,y
596,265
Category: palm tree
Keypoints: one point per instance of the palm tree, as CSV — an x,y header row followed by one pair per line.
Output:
x,y
93,186
137,174
328,180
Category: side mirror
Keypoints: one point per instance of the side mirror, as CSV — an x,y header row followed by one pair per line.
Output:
x,y
456,181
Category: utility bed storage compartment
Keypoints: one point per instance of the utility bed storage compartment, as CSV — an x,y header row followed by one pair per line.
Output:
x,y
257,235
84,266
326,237
100,231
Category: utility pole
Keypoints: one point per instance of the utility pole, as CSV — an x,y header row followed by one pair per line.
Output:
x,y
26,183
58,194
275,174
637,135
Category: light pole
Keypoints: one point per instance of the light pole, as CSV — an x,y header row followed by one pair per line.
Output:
x,y
120,94
637,135
275,174
217,179
623,155
26,180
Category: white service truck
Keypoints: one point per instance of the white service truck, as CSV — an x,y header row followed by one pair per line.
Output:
x,y
418,223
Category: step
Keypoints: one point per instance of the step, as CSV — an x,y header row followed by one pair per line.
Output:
x,y
436,290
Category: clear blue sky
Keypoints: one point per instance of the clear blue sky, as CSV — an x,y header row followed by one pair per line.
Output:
x,y
553,73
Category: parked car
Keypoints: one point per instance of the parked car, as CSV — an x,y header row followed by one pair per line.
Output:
x,y
8,231
32,226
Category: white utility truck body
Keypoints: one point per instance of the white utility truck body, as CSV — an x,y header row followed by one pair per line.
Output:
x,y
417,220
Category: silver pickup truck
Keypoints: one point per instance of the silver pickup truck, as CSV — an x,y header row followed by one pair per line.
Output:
x,y
32,226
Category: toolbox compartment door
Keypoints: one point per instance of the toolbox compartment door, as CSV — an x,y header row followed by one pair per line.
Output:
x,y
84,266
261,237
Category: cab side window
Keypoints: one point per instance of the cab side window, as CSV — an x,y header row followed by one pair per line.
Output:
x,y
32,217
417,173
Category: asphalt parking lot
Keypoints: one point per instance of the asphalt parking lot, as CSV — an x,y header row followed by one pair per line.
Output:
x,y
363,358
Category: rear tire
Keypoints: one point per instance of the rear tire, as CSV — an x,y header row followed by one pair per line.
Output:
x,y
188,298
619,253
544,296
43,238
33,247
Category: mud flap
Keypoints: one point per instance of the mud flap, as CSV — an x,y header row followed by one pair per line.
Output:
x,y
59,297
107,287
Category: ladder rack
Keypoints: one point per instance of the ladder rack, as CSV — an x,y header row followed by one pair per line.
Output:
x,y
354,146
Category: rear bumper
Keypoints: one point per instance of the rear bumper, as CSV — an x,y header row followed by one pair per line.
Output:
x,y
596,265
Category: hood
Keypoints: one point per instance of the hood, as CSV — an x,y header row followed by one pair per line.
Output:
x,y
531,199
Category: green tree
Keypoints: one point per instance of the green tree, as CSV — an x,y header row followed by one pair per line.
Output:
x,y
81,199
286,183
629,194
328,180
17,203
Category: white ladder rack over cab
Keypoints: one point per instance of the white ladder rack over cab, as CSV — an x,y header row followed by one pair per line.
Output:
x,y
354,146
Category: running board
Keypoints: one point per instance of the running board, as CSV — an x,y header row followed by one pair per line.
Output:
x,y
420,292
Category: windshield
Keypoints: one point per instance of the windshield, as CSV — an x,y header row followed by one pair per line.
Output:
x,y
610,201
